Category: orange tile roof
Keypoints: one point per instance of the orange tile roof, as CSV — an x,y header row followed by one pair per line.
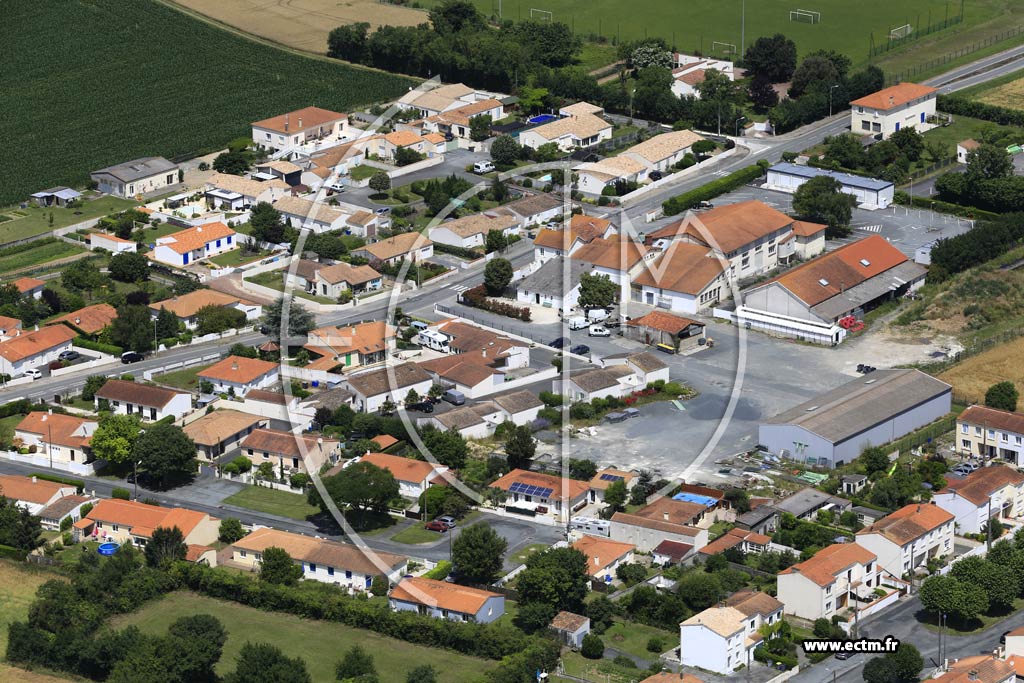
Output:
x,y
435,138
346,272
841,269
467,371
300,120
665,322
732,539
601,484
730,227
573,488
909,523
365,338
658,524
190,239
396,246
402,469
672,511
64,430
9,325
969,144
238,369
979,485
991,418
25,284
686,268
753,602
187,305
30,489
449,596
403,138
286,443
806,228
320,551
194,552
978,669
384,441
894,96
142,518
602,552
462,115
611,254
213,428
91,319
828,562
36,342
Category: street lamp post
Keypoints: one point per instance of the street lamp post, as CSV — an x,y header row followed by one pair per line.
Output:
x,y
135,477
49,445
742,118
631,93
830,99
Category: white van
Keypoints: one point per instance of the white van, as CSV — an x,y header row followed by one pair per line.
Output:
x,y
596,315
482,167
578,322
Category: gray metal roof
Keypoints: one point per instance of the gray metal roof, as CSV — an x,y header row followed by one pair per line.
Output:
x,y
549,278
757,515
844,178
858,405
806,500
870,289
137,168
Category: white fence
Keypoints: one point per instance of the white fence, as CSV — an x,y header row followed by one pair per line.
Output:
x,y
209,358
250,478
105,360
310,374
43,460
981,550
880,604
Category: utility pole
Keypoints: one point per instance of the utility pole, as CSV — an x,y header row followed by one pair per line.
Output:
x,y
830,99
743,27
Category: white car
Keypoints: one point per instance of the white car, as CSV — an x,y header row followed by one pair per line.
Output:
x,y
598,331
482,167
34,373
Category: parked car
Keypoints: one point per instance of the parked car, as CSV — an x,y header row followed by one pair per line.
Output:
x,y
580,350
842,654
34,373
131,357
578,322
482,167
383,211
418,325
69,355
704,205
599,331
559,343
336,188
655,175
436,525
596,315
422,406
455,397
447,519
965,468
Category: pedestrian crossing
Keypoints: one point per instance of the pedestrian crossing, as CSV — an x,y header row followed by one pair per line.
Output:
x,y
721,173
459,288
868,228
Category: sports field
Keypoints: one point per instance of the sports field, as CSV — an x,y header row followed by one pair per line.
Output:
x,y
98,82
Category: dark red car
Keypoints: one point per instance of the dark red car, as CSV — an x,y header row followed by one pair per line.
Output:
x,y
436,525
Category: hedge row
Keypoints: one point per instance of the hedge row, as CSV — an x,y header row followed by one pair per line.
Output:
x,y
457,251
704,193
952,104
97,346
905,199
58,479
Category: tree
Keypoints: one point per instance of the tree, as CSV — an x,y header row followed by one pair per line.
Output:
x,y
129,266
874,459
910,142
380,182
651,54
845,150
948,595
739,500
716,87
700,590
582,469
264,663
592,647
278,567
597,291
864,82
762,94
93,383
505,151
215,318
616,494
448,447
18,527
300,320
478,553
557,578
424,673
520,447
456,16
497,276
549,151
356,662
988,162
165,546
407,155
348,42
132,329
822,200
531,100
363,485
167,324
196,642
1002,396
265,224
166,453
81,276
771,58
816,70
902,666
480,127
496,240
115,437
997,581
234,163
230,530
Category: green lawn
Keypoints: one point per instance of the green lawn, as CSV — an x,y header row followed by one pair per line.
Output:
x,y
964,127
18,584
150,235
275,280
273,502
7,426
320,643
596,55
524,553
416,534
38,256
237,257
633,638
36,220
599,669
182,379
361,172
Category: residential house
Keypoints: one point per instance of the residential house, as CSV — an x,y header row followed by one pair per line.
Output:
x,y
570,629
585,386
648,531
615,174
70,506
411,246
228,192
689,509
688,71
32,493
316,216
987,433
457,122
466,339
280,169
414,477
9,327
990,492
807,241
29,286
477,421
805,503
556,284
34,349
684,278
723,638
521,407
907,539
149,402
443,98
470,374
663,151
581,109
984,668
471,232
619,260
964,148
387,146
137,177
366,223
542,493
88,321
833,579
582,229
648,367
604,556
129,521
299,127
534,209
236,375
288,452
600,482
342,564
63,438
670,553
329,165
351,346
902,105
741,540
112,243
443,600
871,193
187,306
333,281
373,388
574,130
221,431
666,331
867,516
55,196
194,244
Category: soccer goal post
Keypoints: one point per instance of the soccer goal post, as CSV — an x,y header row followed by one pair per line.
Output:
x,y
901,32
540,15
806,16
724,48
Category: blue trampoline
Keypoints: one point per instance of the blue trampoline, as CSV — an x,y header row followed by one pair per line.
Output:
x,y
706,501
541,118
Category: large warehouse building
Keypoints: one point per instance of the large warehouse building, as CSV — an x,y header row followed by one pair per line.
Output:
x,y
871,193
835,427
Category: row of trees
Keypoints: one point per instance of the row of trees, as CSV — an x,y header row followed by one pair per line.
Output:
x,y
165,452
987,240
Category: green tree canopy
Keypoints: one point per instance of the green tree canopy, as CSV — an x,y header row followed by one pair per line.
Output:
x,y
380,182
265,224
448,447
166,453
478,553
357,662
615,495
874,459
230,530
362,485
167,324
165,546
497,276
300,320
132,329
773,58
822,200
520,447
265,663
988,162
556,578
1002,396
597,291
115,437
129,266
277,566
505,151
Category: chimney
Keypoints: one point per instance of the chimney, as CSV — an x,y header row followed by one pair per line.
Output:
x,y
34,479
286,123
597,561
300,123
49,411
665,515
199,229
972,675
483,352
234,365
78,321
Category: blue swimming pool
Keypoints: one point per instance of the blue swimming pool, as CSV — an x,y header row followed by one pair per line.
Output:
x,y
108,548
541,118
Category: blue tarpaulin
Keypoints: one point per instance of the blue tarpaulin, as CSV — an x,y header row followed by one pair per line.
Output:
x,y
706,501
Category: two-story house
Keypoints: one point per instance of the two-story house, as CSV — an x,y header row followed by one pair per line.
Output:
x,y
904,105
582,229
828,582
61,438
984,432
542,493
128,521
149,402
288,452
990,492
296,128
906,539
724,637
604,556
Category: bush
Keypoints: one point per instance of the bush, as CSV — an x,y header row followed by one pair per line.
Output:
x,y
97,346
593,647
242,464
77,483
477,298
689,200
581,411
300,480
66,523
624,662
440,572
457,251
120,493
656,645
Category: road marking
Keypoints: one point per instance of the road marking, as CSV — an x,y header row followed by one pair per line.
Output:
x,y
869,228
460,288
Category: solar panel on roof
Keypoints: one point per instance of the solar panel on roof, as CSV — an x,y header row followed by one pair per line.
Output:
x,y
611,477
530,490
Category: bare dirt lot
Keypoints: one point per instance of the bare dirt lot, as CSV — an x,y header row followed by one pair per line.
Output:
x,y
976,374
1006,95
302,24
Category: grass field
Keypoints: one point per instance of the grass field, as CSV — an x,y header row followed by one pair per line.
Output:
x,y
18,584
1004,92
36,220
237,257
271,501
168,101
633,639
416,534
275,280
38,255
321,644
186,378
964,127
970,378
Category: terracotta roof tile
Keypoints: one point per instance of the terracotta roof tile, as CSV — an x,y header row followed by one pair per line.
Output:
x,y
602,552
674,550
26,284
300,120
364,338
187,305
137,393
978,486
238,369
402,469
614,255
377,382
344,556
288,444
658,524
64,430
894,96
567,621
909,523
90,320
730,227
449,596
828,562
33,343
346,272
26,490
396,246
571,487
677,511
142,518
665,322
991,418
213,428
191,239
685,268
